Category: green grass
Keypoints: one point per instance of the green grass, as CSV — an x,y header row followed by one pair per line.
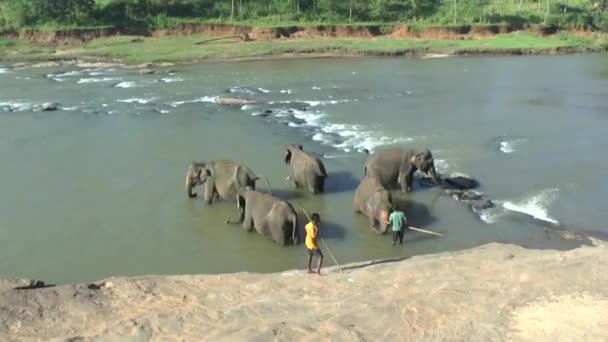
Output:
x,y
184,49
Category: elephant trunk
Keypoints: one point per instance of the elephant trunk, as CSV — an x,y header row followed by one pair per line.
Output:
x,y
434,176
384,223
189,187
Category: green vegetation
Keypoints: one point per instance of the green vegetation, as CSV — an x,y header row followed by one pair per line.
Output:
x,y
141,15
178,49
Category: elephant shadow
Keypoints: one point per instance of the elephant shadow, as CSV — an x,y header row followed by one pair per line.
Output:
x,y
418,214
286,194
330,231
340,181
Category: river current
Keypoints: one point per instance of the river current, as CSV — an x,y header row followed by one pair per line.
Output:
x,y
96,188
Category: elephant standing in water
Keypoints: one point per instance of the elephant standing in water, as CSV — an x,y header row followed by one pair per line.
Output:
x,y
271,217
375,202
397,166
305,170
221,179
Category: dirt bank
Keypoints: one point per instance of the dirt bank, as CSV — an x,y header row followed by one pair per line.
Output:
x,y
493,292
79,36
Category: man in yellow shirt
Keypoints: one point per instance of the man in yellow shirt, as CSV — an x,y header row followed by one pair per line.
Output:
x,y
311,242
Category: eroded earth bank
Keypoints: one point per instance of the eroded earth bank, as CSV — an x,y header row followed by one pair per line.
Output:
x,y
492,292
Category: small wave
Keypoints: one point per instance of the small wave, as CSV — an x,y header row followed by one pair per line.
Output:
x,y
337,156
313,103
70,73
137,100
327,102
97,80
286,91
127,84
15,106
265,91
162,111
316,88
508,146
441,165
202,99
172,79
70,109
4,71
491,215
535,206
23,78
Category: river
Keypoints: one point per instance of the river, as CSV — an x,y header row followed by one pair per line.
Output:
x,y
96,189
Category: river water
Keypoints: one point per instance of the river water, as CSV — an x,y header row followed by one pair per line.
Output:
x,y
96,188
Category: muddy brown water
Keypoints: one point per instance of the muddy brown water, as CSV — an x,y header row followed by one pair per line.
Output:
x,y
95,189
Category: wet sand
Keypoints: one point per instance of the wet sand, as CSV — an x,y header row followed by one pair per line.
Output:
x,y
492,292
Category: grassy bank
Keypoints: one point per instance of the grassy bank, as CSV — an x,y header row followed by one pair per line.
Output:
x,y
133,49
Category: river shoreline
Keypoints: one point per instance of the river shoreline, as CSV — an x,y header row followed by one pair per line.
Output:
x,y
217,43
495,291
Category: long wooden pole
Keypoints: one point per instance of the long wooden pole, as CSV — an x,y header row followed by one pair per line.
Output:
x,y
425,231
324,244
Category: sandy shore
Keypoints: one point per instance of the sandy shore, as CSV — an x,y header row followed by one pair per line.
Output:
x,y
493,292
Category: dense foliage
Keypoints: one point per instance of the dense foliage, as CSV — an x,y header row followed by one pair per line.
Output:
x,y
167,13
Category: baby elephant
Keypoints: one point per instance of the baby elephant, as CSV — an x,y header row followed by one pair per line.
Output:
x,y
375,202
305,170
271,217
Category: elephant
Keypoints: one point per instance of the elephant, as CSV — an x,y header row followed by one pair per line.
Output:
x,y
397,166
271,217
221,178
305,170
375,202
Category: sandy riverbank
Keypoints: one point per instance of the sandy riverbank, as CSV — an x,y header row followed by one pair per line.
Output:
x,y
493,292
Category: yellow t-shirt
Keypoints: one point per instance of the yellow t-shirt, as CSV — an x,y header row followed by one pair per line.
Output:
x,y
311,234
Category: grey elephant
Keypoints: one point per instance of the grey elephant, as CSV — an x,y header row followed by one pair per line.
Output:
x,y
305,170
397,166
271,217
221,179
375,202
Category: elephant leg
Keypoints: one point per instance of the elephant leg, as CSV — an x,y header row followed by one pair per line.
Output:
x,y
277,233
372,222
311,184
409,179
248,222
356,207
320,184
209,192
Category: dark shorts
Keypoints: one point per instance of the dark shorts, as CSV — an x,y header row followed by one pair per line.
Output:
x,y
316,251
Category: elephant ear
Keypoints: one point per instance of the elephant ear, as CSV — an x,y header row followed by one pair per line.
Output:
x,y
287,158
417,158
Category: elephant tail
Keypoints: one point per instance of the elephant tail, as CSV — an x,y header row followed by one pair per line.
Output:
x,y
294,230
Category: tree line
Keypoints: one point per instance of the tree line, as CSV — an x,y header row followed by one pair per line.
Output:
x,y
165,13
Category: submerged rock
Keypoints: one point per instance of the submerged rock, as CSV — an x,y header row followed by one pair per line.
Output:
x,y
49,107
146,72
235,101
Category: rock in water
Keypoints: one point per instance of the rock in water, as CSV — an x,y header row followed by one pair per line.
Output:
x,y
49,107
469,196
482,204
461,181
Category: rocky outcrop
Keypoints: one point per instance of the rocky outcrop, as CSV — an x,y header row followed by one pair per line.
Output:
x,y
461,181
